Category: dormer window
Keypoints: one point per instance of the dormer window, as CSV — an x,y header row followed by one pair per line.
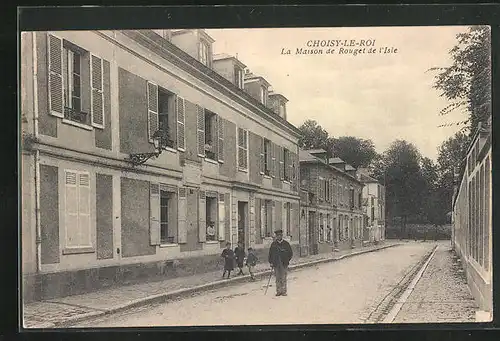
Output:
x,y
263,95
238,77
281,111
204,52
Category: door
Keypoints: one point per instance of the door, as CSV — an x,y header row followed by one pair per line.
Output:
x,y
243,223
313,245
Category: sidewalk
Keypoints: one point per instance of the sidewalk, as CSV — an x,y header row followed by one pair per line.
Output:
x,y
441,294
64,311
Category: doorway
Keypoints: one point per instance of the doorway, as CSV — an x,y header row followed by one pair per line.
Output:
x,y
313,245
243,223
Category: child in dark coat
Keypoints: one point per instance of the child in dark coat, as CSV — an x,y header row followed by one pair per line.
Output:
x,y
251,262
228,256
239,252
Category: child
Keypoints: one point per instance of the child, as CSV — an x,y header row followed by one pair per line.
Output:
x,y
251,262
239,252
228,256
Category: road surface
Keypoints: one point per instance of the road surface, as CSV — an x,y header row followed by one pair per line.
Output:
x,y
346,291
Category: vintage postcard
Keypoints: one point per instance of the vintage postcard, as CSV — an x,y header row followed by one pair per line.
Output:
x,y
209,177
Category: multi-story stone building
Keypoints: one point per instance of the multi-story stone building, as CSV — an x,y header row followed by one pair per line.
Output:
x,y
373,197
93,102
331,216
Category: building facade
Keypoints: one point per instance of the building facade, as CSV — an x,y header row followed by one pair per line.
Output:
x,y
472,218
373,208
331,216
90,102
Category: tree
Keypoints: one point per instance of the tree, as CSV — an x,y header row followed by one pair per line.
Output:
x,y
314,137
355,151
467,82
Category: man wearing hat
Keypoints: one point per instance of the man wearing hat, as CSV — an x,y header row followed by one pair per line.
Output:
x,y
280,254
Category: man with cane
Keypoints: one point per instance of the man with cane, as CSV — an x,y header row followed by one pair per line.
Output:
x,y
280,254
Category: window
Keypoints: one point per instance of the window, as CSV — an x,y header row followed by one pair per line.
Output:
x,y
211,212
321,228
242,149
210,134
238,77
204,53
351,198
166,227
263,95
286,225
72,86
281,110
267,218
166,116
286,164
327,190
77,209
267,157
328,229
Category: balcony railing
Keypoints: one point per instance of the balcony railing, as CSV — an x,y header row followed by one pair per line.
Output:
x,y
77,116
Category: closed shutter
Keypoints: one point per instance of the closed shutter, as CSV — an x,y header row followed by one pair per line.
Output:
x,y
84,209
222,217
154,224
289,168
202,217
152,110
274,217
55,61
181,123
201,131
261,158
181,216
263,218
275,160
242,148
71,208
220,128
97,94
282,162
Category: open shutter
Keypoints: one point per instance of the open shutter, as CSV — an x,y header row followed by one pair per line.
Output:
x,y
71,208
55,60
220,128
261,159
281,164
154,223
274,148
274,217
222,217
84,209
181,123
181,216
152,110
289,165
263,218
97,93
201,131
202,217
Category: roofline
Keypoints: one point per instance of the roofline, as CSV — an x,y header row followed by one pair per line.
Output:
x,y
239,62
319,162
256,78
155,43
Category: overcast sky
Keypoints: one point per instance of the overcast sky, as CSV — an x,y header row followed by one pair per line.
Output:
x,y
382,97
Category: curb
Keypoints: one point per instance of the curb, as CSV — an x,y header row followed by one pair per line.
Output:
x,y
172,295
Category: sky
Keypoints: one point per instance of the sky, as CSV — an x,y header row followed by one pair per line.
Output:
x,y
377,96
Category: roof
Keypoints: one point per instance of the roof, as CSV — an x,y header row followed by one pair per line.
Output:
x,y
316,151
335,160
275,94
305,156
349,167
366,178
224,56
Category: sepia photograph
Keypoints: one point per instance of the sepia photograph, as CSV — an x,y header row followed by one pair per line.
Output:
x,y
258,176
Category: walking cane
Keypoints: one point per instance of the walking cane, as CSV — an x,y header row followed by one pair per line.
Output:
x,y
269,281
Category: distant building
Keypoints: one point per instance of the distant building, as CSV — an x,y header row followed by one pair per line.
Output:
x,y
373,207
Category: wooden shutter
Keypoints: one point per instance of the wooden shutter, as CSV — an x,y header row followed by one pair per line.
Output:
x,y
220,128
71,208
222,217
154,223
289,168
281,163
263,218
181,216
274,217
181,123
84,209
242,148
152,90
55,61
97,93
284,224
202,217
275,170
201,130
261,159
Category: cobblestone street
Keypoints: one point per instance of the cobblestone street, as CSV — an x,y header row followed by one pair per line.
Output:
x,y
347,291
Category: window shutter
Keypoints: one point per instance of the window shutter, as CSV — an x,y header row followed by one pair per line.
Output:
x,y
220,127
274,148
289,168
202,217
273,226
154,205
245,145
284,226
181,123
281,164
97,95
84,209
181,216
152,110
242,148
71,208
222,217
261,155
55,61
201,131
263,218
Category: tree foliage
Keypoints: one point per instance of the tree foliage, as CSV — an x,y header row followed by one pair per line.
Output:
x,y
355,151
467,81
314,136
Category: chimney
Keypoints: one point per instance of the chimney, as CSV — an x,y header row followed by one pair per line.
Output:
x,y
230,68
197,43
257,87
277,102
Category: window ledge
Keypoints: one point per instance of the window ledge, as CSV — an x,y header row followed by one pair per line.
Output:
x,y
169,245
76,124
211,161
77,250
169,149
212,242
267,176
243,170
